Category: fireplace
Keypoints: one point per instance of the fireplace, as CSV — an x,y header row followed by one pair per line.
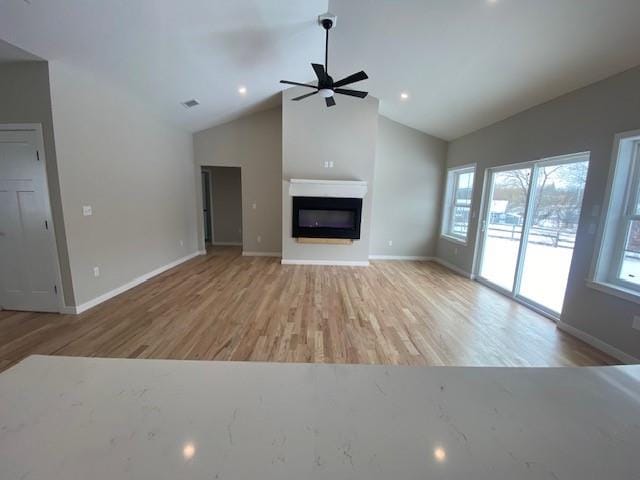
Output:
x,y
326,217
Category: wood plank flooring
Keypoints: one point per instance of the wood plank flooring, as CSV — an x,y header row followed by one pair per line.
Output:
x,y
224,306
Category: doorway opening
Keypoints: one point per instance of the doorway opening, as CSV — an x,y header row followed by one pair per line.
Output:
x,y
222,205
529,227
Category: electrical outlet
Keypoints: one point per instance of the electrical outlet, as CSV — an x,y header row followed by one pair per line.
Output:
x,y
96,271
636,322
87,211
181,243
259,238
391,243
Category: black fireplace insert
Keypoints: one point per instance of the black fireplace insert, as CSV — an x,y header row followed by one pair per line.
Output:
x,y
326,217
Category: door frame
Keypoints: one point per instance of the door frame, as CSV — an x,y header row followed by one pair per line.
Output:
x,y
487,194
205,172
53,244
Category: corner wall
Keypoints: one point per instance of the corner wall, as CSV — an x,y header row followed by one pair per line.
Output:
x,y
409,178
584,120
253,143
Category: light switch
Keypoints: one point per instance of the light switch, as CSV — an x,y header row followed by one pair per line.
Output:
x,y
87,211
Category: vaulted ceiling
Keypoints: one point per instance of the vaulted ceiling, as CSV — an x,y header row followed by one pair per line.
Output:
x,y
464,64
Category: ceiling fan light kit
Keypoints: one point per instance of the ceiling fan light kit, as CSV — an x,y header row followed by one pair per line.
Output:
x,y
326,87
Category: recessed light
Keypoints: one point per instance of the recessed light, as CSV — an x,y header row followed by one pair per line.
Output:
x,y
492,2
404,96
191,103
188,451
440,454
242,90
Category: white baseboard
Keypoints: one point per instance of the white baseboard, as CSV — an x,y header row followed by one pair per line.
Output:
x,y
127,286
597,343
338,263
453,267
400,257
261,254
226,244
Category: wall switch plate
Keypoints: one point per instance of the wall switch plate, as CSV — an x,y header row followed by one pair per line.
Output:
x,y
391,243
330,163
636,322
259,238
181,243
592,228
87,210
455,251
96,271
254,205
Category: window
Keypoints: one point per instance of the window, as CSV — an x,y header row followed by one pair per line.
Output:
x,y
457,203
617,262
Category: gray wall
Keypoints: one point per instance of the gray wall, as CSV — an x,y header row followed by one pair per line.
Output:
x,y
408,185
253,143
25,98
226,193
137,173
584,120
313,133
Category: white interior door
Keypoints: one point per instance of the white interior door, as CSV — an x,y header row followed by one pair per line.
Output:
x,y
28,260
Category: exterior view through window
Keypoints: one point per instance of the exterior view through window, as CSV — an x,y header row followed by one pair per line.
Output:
x,y
458,195
618,256
529,228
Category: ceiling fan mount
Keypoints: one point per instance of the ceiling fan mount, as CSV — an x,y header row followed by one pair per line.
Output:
x,y
326,86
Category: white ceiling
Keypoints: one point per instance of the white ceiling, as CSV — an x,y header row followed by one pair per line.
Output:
x,y
464,63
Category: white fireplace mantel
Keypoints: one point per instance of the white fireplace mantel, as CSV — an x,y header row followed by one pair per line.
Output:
x,y
302,187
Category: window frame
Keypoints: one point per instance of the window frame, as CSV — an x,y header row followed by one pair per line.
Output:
x,y
449,203
631,197
623,194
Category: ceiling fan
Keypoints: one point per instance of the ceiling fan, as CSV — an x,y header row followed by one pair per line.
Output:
x,y
326,87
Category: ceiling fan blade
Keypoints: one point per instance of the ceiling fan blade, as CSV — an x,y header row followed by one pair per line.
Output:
x,y
304,96
330,101
353,93
320,73
299,84
356,77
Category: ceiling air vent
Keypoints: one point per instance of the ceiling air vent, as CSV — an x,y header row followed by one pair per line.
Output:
x,y
191,103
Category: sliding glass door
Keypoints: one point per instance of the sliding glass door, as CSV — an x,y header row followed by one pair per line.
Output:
x,y
529,229
503,226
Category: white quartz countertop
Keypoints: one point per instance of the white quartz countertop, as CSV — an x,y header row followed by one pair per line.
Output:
x,y
78,418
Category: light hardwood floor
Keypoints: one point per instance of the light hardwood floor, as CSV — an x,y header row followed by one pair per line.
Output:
x,y
224,306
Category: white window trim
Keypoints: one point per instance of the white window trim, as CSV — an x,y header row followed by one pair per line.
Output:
x,y
447,203
611,235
